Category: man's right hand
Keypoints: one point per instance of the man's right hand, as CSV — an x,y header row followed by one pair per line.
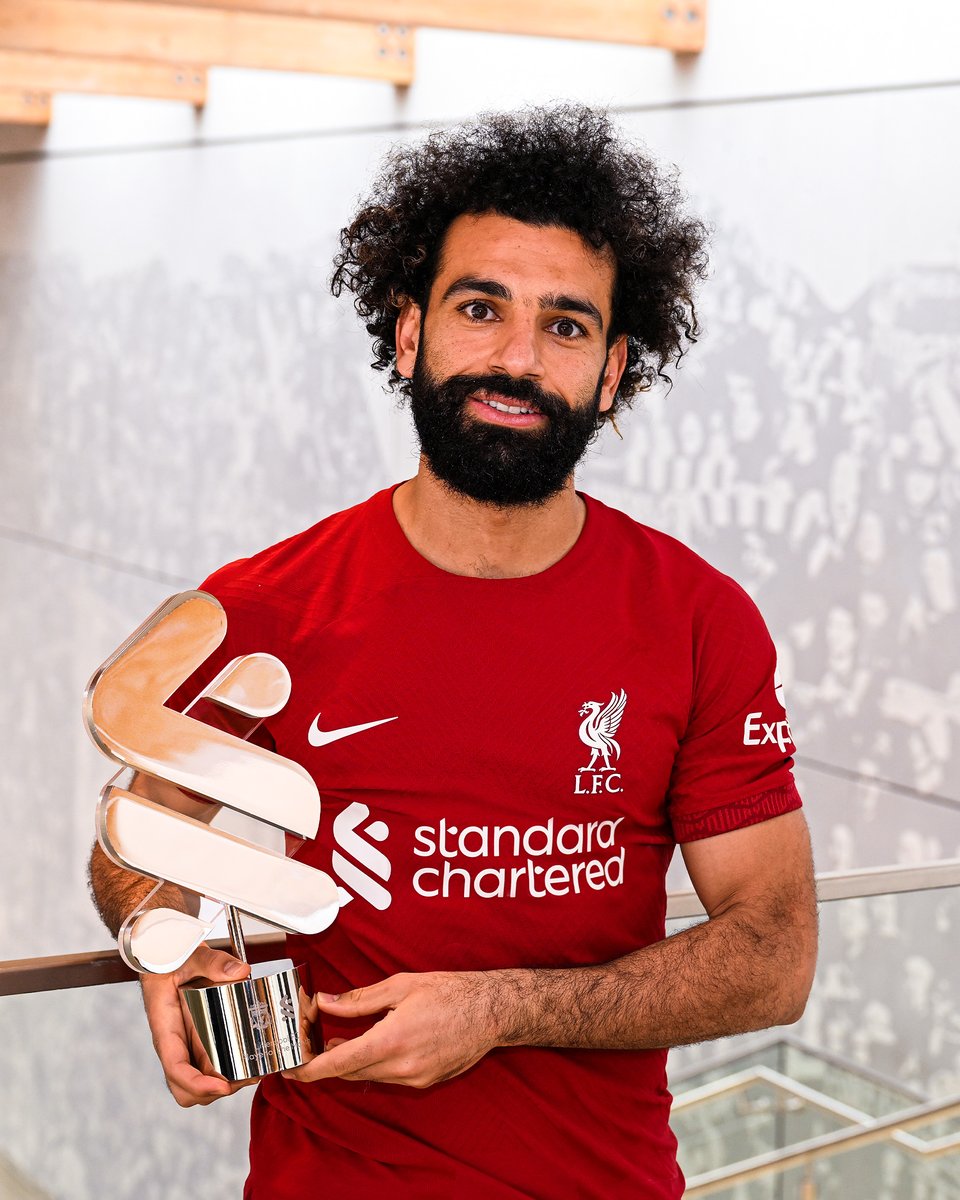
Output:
x,y
174,1038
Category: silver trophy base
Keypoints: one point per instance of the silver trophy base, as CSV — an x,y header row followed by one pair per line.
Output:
x,y
251,1028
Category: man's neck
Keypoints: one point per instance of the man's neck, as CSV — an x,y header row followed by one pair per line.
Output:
x,y
467,537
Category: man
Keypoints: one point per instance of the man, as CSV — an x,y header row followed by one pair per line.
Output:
x,y
559,695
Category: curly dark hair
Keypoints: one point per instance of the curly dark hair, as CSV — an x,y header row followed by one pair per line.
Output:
x,y
562,165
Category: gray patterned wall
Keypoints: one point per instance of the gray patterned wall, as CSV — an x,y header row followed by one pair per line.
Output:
x,y
178,390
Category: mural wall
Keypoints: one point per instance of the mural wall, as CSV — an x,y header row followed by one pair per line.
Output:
x,y
178,389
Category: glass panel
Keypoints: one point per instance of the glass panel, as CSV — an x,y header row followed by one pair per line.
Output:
x,y
64,619
86,1114
854,825
881,1034
864,824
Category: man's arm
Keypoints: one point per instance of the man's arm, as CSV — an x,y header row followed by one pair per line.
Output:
x,y
116,893
116,890
749,966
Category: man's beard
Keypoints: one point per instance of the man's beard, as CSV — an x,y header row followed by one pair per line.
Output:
x,y
492,463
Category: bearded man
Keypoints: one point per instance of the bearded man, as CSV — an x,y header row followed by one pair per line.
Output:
x,y
553,697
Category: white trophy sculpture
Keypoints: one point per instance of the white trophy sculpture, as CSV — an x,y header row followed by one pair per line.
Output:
x,y
252,1027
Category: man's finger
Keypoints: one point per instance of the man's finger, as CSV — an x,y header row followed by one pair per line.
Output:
x,y
192,1084
308,1007
362,1002
343,1061
187,1083
215,965
178,1063
189,1090
308,1018
166,1024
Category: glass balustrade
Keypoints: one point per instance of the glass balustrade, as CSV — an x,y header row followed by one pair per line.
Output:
x,y
880,1037
86,1113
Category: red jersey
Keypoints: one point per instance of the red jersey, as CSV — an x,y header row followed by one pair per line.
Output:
x,y
533,750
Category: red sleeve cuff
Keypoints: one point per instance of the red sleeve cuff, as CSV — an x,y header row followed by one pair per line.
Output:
x,y
750,811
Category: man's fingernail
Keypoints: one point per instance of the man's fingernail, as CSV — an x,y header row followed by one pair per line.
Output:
x,y
325,998
233,968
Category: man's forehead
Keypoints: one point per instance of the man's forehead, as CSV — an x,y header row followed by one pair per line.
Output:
x,y
481,243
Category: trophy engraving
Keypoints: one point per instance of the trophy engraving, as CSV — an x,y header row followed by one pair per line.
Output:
x,y
251,1027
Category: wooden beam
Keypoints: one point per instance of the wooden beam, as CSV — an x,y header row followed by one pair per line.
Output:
x,y
134,29
20,107
109,76
678,25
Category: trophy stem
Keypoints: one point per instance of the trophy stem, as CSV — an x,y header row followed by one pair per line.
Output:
x,y
235,930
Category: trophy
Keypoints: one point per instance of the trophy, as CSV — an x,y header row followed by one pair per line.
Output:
x,y
252,1027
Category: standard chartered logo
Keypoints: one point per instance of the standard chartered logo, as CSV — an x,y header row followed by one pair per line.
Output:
x,y
361,882
488,862
470,860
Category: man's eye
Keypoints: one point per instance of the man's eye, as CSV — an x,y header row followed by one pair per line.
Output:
x,y
477,310
566,328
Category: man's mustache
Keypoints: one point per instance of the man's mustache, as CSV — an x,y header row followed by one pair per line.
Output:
x,y
457,388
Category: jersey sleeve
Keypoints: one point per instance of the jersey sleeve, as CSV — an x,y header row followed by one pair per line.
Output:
x,y
734,764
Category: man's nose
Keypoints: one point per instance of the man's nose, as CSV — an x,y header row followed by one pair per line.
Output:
x,y
517,350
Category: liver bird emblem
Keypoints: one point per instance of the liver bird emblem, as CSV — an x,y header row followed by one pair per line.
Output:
x,y
599,727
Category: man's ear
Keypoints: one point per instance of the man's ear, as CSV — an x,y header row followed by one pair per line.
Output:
x,y
408,337
613,372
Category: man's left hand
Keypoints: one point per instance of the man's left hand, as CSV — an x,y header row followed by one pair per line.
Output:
x,y
437,1025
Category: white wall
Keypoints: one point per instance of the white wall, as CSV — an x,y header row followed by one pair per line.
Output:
x,y
178,389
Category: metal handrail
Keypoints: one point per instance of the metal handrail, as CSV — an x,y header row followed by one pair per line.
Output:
x,y
93,968
741,1080
849,885
54,973
801,1153
779,1038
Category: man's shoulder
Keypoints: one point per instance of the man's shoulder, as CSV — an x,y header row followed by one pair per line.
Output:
x,y
659,574
303,564
657,550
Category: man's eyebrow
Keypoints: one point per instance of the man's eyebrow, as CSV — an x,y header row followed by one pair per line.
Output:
x,y
573,304
555,300
470,283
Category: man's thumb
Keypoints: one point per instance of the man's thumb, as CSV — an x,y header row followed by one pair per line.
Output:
x,y
218,966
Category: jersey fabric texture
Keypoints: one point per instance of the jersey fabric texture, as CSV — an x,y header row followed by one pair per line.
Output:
x,y
544,742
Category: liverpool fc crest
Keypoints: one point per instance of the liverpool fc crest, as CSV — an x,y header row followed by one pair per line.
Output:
x,y
599,727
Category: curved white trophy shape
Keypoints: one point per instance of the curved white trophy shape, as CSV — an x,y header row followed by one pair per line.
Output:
x,y
125,715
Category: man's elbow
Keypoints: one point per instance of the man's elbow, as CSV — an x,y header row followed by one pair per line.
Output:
x,y
795,1009
798,980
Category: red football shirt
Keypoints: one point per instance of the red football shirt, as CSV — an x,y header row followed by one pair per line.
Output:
x,y
544,743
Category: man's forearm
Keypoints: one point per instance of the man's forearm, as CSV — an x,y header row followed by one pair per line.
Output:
x,y
728,975
741,970
118,892
748,967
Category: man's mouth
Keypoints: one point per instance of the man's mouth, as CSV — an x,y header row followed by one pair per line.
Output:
x,y
502,404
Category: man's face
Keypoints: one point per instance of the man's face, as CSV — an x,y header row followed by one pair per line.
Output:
x,y
510,365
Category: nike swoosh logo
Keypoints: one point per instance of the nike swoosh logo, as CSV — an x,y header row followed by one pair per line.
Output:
x,y
323,737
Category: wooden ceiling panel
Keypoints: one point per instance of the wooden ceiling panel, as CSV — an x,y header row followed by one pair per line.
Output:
x,y
109,76
132,29
20,107
672,25
162,48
